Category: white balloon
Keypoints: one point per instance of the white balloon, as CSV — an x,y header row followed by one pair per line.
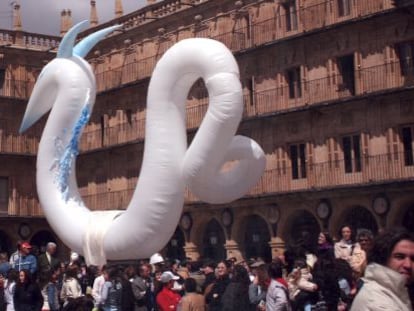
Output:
x,y
67,86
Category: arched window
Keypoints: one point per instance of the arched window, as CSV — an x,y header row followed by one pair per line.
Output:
x,y
360,218
408,220
213,241
304,229
5,243
256,239
175,247
39,241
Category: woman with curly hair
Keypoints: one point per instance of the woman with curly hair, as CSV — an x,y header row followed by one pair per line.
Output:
x,y
27,295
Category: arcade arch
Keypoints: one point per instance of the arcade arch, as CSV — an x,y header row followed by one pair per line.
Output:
x,y
408,218
175,247
359,217
39,241
5,243
302,227
256,238
213,241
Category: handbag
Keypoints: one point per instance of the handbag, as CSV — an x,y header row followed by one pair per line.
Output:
x,y
320,305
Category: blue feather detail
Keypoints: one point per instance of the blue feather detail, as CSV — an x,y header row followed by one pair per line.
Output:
x,y
69,153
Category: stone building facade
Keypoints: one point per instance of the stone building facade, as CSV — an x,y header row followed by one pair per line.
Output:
x,y
327,93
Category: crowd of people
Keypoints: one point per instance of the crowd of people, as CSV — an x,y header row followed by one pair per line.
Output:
x,y
365,273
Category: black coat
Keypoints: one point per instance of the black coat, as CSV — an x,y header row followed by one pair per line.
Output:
x,y
2,300
27,297
328,285
210,278
236,297
213,298
43,264
127,296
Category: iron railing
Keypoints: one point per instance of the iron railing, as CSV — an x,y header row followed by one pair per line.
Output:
x,y
382,168
258,33
261,102
375,169
264,101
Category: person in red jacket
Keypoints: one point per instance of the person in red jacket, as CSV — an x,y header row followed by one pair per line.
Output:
x,y
167,299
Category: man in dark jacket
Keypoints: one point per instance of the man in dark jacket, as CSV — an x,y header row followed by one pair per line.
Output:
x,y
141,288
47,261
208,270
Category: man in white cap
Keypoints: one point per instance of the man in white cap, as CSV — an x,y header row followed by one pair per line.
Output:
x,y
167,299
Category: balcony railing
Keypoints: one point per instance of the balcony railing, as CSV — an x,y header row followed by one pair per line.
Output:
x,y
261,102
23,205
309,18
259,33
375,169
20,144
16,88
367,80
385,168
38,41
28,40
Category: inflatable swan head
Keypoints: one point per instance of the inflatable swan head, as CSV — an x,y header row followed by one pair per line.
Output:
x,y
67,86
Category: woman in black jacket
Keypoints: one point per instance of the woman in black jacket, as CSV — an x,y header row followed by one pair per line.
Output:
x,y
236,295
215,290
326,277
27,295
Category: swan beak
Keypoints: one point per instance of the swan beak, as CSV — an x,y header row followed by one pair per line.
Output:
x,y
40,102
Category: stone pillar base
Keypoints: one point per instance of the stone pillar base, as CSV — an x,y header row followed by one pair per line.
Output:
x,y
232,250
277,246
191,251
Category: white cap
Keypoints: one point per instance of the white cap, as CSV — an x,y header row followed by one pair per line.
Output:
x,y
156,258
74,256
168,276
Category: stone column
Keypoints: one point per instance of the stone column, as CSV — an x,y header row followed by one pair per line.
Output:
x,y
277,247
93,19
191,251
119,11
233,250
63,23
17,25
69,19
17,18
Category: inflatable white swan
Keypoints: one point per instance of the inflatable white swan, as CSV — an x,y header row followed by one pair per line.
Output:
x,y
67,86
